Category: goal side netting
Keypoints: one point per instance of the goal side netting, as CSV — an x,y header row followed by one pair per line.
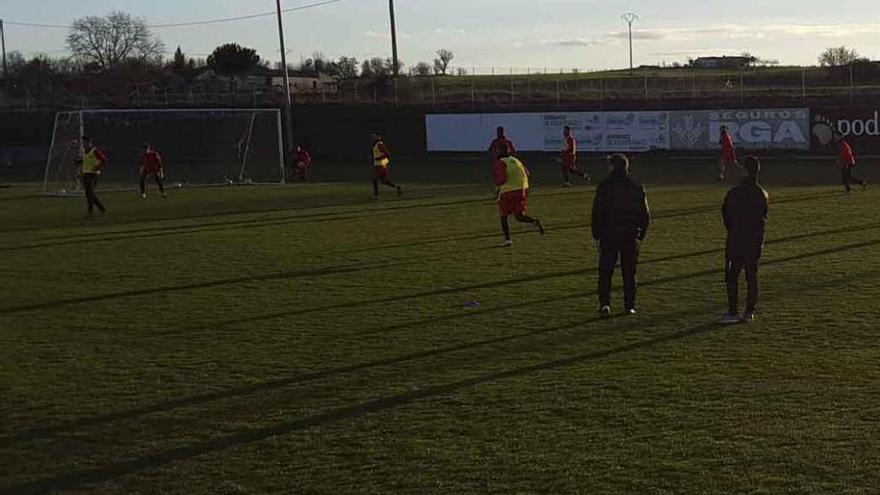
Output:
x,y
198,147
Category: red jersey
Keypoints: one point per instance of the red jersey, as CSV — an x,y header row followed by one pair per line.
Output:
x,y
497,146
728,150
303,156
847,158
151,162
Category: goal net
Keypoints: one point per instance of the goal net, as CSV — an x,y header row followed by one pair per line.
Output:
x,y
198,147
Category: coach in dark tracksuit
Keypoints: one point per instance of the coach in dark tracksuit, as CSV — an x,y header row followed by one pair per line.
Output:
x,y
745,217
620,223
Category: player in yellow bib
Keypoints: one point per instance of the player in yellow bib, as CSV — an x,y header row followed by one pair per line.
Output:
x,y
91,165
381,163
512,179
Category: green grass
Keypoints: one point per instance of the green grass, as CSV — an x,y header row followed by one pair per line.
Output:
x,y
307,340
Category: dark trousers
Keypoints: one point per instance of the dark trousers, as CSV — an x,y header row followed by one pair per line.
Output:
x,y
610,251
733,268
90,182
158,183
849,178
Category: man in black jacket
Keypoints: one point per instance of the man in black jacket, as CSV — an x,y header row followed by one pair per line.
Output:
x,y
620,223
745,217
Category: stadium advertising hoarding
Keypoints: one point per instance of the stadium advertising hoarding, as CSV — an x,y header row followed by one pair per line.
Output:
x,y
860,126
758,129
594,131
765,129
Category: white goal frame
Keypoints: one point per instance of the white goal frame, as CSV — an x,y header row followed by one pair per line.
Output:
x,y
253,111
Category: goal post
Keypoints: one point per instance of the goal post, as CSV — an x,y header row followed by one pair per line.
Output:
x,y
199,147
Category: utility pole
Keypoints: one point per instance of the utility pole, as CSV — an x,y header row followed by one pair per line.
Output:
x,y
288,108
630,18
393,39
3,43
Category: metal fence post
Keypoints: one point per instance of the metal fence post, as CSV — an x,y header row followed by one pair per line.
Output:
x,y
852,86
646,88
742,90
473,96
511,87
558,84
804,84
433,93
693,87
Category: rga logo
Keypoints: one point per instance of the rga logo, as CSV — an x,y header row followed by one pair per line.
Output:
x,y
689,132
761,127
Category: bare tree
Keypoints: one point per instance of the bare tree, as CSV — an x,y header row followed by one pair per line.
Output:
x,y
108,41
835,57
441,63
346,68
461,71
422,69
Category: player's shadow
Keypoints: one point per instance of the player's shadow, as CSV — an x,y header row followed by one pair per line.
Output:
x,y
73,480
282,275
280,383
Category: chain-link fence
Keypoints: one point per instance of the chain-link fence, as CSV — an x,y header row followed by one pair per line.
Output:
x,y
842,86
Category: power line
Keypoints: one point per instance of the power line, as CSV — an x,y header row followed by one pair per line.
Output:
x,y
192,23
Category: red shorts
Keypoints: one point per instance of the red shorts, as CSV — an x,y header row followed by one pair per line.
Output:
x,y
512,203
380,172
728,156
569,162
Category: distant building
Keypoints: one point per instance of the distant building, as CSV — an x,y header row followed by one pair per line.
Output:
x,y
723,62
305,83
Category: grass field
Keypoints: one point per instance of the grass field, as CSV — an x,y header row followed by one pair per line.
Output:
x,y
306,340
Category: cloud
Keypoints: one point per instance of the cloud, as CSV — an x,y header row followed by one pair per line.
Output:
x,y
574,42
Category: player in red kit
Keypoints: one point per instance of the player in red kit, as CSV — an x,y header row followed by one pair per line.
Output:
x,y
728,153
500,145
303,161
847,162
569,158
381,163
151,166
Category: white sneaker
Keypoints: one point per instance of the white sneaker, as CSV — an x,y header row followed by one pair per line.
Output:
x,y
507,243
144,196
567,184
605,312
729,319
748,317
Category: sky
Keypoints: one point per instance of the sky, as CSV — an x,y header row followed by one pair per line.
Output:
x,y
486,34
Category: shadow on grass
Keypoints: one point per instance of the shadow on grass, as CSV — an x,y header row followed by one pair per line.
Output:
x,y
284,275
283,382
100,474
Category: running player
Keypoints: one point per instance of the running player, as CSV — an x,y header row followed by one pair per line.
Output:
x,y
91,166
151,166
569,158
381,164
728,153
847,162
303,161
512,179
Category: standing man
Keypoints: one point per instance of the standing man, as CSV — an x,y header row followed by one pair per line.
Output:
x,y
512,179
620,223
847,162
91,165
303,161
500,144
728,153
745,217
151,165
381,164
569,158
